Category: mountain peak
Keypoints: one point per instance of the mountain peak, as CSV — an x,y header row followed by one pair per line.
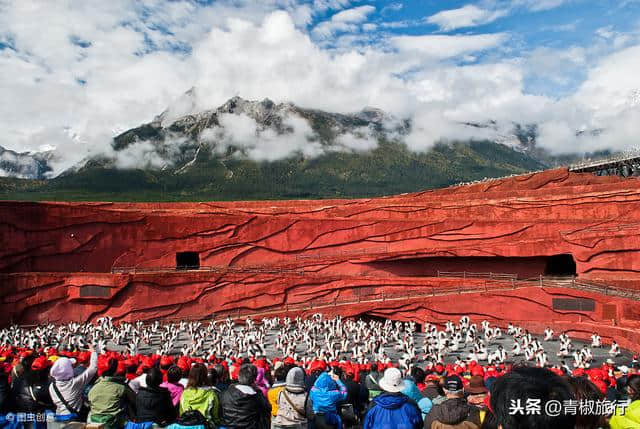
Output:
x,y
24,165
372,114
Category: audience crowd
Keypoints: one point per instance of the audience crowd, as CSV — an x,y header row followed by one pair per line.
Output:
x,y
110,389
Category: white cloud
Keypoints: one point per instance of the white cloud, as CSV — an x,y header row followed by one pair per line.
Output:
x,y
360,140
139,155
609,83
392,7
531,5
441,46
355,15
323,5
466,16
369,27
345,21
604,108
540,5
243,132
558,66
263,49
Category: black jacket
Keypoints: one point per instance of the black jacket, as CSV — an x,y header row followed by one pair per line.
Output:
x,y
357,395
452,412
5,393
371,381
154,405
31,398
243,409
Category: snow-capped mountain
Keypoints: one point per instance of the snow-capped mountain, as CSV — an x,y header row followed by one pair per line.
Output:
x,y
24,165
259,130
255,130
262,149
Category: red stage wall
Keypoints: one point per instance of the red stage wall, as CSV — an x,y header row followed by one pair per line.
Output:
x,y
511,225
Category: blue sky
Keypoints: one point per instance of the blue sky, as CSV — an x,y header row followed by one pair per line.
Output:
x,y
75,74
531,24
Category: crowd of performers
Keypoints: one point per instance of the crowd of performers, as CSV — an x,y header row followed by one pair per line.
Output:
x,y
299,373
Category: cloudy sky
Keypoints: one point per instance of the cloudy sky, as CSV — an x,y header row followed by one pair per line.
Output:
x,y
77,72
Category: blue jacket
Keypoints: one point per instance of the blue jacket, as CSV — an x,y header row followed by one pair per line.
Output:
x,y
393,411
325,394
412,391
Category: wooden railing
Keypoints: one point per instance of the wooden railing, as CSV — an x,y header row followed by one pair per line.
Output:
x,y
365,298
483,275
266,269
571,282
490,285
346,252
493,282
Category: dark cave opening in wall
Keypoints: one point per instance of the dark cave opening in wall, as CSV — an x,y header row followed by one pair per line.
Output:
x,y
481,266
187,261
560,265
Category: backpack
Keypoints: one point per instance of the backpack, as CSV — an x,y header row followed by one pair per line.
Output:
x,y
192,418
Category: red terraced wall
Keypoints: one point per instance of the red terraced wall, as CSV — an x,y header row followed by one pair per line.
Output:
x,y
55,297
50,250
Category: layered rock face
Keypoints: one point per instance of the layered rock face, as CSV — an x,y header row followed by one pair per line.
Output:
x,y
78,261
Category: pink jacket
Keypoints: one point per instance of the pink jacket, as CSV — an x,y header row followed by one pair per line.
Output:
x,y
175,390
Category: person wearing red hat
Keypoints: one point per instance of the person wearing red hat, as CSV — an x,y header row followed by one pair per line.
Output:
x,y
111,401
357,395
166,362
130,369
316,369
432,389
477,370
418,376
141,380
184,364
30,390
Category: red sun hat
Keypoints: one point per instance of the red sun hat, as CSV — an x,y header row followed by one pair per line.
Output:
x,y
41,363
83,357
103,365
477,370
166,361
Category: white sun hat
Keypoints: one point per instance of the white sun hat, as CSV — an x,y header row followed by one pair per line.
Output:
x,y
392,381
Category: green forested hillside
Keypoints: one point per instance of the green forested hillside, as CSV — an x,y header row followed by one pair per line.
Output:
x,y
389,169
